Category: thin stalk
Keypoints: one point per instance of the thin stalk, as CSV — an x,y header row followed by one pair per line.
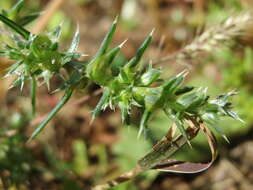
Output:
x,y
33,94
56,109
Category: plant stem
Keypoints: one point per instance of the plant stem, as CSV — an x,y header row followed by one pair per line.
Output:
x,y
33,94
56,109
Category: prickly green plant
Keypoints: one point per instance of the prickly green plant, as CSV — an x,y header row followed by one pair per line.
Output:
x,y
38,56
125,87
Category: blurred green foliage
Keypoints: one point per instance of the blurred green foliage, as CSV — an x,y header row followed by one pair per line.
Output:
x,y
15,160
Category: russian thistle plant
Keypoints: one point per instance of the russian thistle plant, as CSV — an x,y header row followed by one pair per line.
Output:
x,y
131,85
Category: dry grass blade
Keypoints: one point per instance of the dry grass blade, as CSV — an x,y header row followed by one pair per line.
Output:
x,y
217,36
211,141
176,166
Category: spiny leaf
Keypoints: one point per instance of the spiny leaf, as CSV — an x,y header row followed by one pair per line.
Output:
x,y
221,132
143,122
47,75
180,78
96,66
212,121
187,99
13,68
124,109
234,115
101,104
75,42
170,87
200,100
152,98
17,82
179,123
110,56
107,40
136,59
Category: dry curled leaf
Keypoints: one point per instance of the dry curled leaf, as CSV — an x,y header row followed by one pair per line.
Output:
x,y
176,166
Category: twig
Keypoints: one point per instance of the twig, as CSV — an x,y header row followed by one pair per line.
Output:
x,y
44,18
